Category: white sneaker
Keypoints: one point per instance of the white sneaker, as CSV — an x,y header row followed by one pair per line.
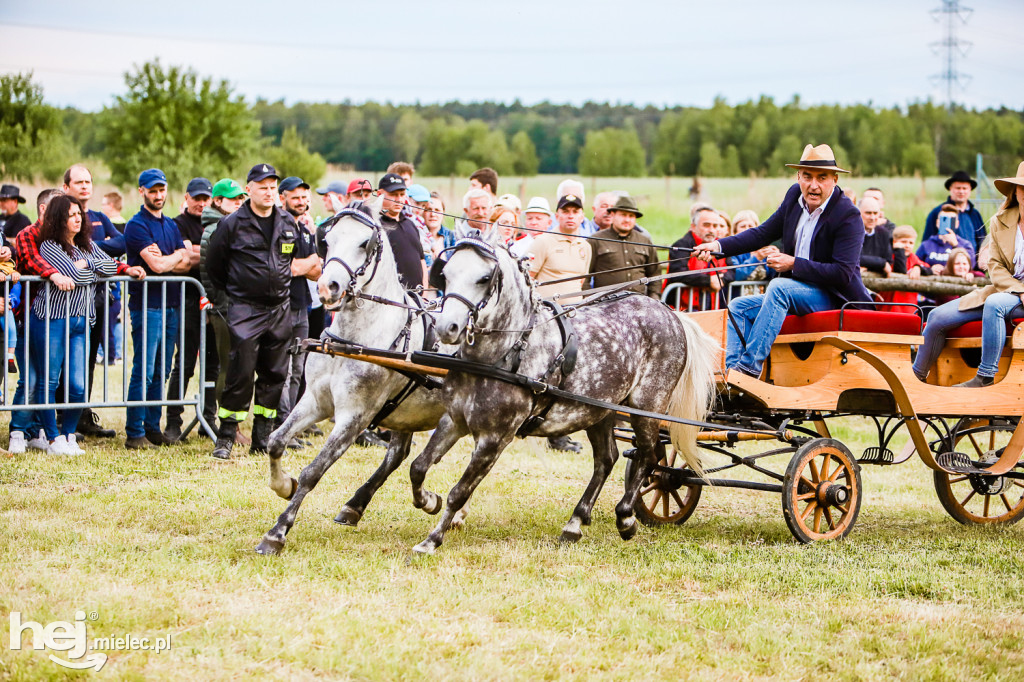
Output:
x,y
17,444
60,446
39,442
73,445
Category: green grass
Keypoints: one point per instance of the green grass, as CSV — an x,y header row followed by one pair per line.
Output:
x,y
161,542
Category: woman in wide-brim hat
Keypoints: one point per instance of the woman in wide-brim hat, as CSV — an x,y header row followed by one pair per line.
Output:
x,y
1001,300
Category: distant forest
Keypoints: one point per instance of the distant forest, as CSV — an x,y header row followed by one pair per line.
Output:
x,y
755,137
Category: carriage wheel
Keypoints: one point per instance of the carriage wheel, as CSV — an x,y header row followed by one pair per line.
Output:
x,y
976,499
821,491
660,501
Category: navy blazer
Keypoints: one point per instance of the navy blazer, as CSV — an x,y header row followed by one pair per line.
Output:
x,y
836,245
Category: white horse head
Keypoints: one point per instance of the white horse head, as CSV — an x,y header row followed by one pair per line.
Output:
x,y
355,251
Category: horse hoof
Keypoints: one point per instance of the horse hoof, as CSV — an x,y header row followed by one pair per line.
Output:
x,y
269,547
433,504
627,528
571,536
425,548
348,517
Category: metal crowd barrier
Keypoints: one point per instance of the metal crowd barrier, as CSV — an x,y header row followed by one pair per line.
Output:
x,y
172,293
688,299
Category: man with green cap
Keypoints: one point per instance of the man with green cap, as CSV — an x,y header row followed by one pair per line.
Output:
x,y
623,246
228,195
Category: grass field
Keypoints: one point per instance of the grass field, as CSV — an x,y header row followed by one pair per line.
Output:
x,y
161,543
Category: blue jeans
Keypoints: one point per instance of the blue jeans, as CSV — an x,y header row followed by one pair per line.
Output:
x,y
993,315
158,327
26,421
760,317
54,350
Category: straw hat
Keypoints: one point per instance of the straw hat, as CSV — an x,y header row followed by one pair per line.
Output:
x,y
1006,185
818,158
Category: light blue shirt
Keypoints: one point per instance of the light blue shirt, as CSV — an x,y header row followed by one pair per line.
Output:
x,y
805,227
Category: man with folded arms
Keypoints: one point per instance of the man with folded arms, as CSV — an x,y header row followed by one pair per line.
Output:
x,y
819,265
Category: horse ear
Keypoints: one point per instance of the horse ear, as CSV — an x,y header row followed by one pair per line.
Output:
x,y
493,236
376,206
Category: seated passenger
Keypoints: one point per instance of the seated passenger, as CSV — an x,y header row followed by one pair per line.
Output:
x,y
994,304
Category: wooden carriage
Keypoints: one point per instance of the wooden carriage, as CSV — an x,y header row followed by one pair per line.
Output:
x,y
852,362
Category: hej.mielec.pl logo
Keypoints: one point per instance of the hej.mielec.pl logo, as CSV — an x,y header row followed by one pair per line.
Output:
x,y
72,640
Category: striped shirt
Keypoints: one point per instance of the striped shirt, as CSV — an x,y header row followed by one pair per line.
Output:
x,y
79,302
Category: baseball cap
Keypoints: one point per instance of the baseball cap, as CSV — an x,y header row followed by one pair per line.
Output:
x,y
228,188
570,200
538,205
358,185
337,187
391,182
509,201
290,183
199,187
419,193
151,177
261,171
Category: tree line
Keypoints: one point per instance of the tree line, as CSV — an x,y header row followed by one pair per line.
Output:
x,y
173,118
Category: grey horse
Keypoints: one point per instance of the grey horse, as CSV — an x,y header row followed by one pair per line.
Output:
x,y
632,350
358,266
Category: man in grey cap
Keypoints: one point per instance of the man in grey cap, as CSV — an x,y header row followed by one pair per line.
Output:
x,y
333,196
198,195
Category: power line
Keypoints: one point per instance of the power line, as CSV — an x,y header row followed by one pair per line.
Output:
x,y
953,15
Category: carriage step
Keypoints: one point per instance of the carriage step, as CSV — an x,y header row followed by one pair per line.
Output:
x,y
959,463
876,455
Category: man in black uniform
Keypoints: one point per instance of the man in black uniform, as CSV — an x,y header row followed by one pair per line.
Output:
x,y
198,195
250,257
401,231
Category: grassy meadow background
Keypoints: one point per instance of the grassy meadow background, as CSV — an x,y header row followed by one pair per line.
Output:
x,y
161,542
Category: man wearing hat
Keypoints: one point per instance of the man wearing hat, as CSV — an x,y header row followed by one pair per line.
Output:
x,y
228,197
536,221
970,225
401,231
334,197
306,266
819,265
359,189
153,242
250,256
622,246
12,221
198,197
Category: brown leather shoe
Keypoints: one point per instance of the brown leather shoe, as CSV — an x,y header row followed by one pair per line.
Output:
x,y
242,439
139,443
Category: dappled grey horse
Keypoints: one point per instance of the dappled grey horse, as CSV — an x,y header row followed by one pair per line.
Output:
x,y
358,267
631,350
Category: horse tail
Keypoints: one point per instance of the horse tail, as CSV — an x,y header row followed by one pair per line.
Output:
x,y
694,393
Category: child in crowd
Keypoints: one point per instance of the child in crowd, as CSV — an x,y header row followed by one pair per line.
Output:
x,y
903,239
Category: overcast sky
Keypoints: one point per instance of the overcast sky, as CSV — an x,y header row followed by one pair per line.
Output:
x,y
663,53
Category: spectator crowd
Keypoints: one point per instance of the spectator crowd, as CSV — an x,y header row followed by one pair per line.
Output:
x,y
253,248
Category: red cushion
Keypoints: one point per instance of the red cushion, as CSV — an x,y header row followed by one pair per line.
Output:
x,y
853,321
972,330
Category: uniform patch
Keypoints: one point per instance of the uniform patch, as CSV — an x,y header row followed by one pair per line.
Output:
x,y
287,248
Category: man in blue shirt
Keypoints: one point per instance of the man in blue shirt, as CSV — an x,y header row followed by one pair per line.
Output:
x,y
154,242
78,183
970,225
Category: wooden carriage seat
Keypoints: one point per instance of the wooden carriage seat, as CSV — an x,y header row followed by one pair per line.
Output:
x,y
866,321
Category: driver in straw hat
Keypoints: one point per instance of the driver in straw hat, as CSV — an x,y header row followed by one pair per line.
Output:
x,y
818,267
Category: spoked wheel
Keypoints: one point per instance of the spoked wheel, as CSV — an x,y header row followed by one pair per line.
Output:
x,y
975,498
660,500
821,492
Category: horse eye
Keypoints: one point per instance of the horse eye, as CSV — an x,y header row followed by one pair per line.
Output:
x,y
364,245
484,280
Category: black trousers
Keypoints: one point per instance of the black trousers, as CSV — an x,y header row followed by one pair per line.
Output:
x,y
185,363
316,328
258,359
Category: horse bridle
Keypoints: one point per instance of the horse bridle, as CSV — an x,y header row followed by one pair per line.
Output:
x,y
374,252
493,287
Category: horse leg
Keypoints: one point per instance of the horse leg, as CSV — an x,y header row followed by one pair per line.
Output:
x,y
398,450
344,433
485,454
305,413
446,435
602,441
649,452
